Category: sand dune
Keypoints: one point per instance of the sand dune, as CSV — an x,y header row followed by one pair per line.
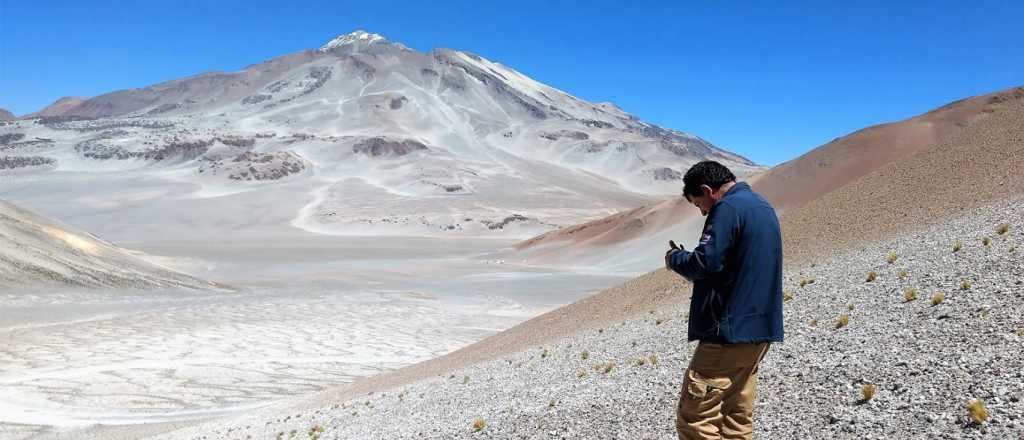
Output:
x,y
39,251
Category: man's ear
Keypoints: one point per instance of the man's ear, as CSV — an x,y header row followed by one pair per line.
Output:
x,y
707,191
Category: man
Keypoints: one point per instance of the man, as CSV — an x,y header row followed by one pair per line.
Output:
x,y
736,307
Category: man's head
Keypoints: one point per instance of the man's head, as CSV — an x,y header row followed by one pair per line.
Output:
x,y
705,184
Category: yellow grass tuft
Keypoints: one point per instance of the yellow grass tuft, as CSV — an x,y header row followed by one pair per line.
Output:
x,y
868,391
640,362
584,355
1003,229
872,276
843,321
479,424
314,432
957,246
1013,249
786,296
654,360
891,258
814,323
806,281
605,367
902,274
658,321
979,414
910,294
986,241
938,298
965,285
581,374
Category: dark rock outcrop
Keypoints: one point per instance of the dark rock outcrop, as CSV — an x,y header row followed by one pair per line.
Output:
x,y
11,162
379,146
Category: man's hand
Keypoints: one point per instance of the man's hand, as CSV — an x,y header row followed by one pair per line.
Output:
x,y
673,248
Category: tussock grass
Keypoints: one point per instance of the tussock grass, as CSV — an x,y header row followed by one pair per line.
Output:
x,y
910,294
604,367
891,258
868,391
584,355
639,362
814,323
315,432
938,298
872,276
479,424
580,374
786,296
544,354
1003,229
957,246
806,281
843,321
965,285
986,241
978,412
653,359
658,321
1013,248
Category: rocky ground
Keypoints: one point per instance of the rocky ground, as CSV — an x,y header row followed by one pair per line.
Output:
x,y
927,360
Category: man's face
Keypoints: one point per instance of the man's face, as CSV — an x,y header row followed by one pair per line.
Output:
x,y
704,201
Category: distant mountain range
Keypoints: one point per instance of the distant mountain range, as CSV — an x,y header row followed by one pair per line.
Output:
x,y
382,138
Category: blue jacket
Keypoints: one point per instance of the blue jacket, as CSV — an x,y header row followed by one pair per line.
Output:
x,y
736,272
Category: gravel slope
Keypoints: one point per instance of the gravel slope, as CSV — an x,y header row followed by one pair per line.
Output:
x,y
927,360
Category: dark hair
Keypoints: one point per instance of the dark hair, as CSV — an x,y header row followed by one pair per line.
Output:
x,y
708,173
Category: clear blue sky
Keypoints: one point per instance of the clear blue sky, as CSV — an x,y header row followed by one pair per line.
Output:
x,y
769,80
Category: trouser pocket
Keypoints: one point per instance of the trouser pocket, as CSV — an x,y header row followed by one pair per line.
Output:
x,y
697,386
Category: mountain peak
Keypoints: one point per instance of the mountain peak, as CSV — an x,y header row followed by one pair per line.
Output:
x,y
359,36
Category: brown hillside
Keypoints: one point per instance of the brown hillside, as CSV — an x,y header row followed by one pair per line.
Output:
x,y
792,184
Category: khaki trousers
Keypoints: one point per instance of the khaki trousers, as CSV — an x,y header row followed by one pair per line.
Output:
x,y
717,398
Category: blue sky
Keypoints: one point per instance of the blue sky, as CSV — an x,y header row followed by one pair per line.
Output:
x,y
769,80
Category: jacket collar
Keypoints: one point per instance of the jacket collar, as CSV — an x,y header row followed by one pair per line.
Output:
x,y
739,186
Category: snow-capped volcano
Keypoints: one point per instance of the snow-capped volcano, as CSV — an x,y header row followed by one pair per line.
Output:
x,y
374,137
361,37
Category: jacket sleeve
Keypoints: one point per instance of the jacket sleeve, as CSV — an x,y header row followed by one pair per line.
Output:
x,y
708,258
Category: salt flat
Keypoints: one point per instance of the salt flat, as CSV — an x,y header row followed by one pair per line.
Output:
x,y
80,357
